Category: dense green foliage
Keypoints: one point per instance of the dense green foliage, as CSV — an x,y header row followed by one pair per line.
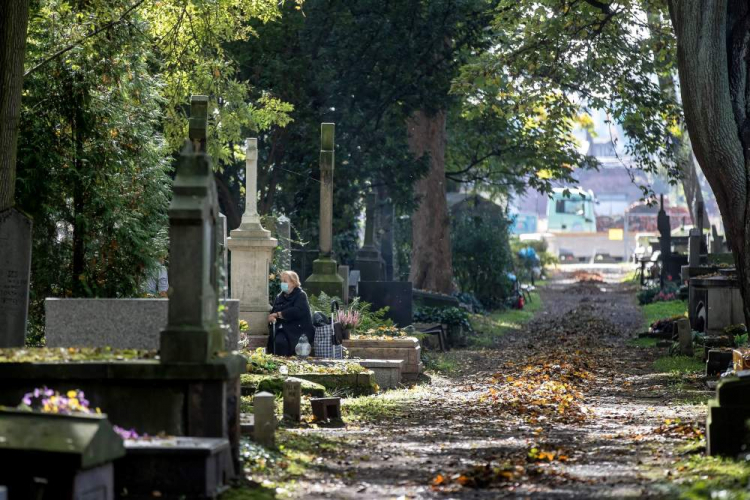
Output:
x,y
481,255
100,121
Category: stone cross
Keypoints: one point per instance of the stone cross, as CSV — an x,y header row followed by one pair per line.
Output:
x,y
325,276
326,189
250,218
264,408
15,270
252,252
192,334
292,400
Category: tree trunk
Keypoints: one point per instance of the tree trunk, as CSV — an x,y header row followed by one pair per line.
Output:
x,y
712,50
681,147
14,17
431,263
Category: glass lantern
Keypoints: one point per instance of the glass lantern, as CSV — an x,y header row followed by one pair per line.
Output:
x,y
303,348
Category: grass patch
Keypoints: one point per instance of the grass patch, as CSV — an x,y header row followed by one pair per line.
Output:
x,y
440,362
678,365
661,310
380,406
643,342
488,329
701,477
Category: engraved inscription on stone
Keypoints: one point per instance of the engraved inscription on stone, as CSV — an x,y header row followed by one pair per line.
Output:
x,y
15,266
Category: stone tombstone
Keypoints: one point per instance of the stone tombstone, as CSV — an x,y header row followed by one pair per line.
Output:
x,y
284,235
398,296
221,240
325,277
15,270
264,408
384,231
252,249
665,241
293,400
717,241
344,273
193,334
369,261
694,247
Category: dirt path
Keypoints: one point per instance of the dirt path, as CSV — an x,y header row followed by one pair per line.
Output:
x,y
564,408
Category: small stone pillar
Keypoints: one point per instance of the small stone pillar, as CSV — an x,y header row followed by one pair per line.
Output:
x,y
685,337
252,252
344,273
264,410
369,262
292,400
325,277
193,334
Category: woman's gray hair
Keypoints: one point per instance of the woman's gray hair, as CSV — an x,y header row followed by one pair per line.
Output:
x,y
293,277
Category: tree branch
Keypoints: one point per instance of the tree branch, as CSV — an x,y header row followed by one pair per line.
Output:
x,y
92,34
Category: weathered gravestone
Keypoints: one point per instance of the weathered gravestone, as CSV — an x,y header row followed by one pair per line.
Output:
x,y
52,456
120,323
384,220
369,261
325,277
292,400
252,252
193,334
264,410
191,391
15,268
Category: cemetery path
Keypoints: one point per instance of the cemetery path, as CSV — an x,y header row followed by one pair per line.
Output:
x,y
564,407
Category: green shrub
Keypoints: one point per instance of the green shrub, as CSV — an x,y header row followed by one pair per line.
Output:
x,y
481,256
452,316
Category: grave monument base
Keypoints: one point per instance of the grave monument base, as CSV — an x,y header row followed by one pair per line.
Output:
x,y
325,278
178,399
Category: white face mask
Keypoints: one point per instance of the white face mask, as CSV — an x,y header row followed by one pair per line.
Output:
x,y
284,287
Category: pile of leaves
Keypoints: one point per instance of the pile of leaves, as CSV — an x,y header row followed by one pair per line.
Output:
x,y
480,476
548,383
548,388
588,277
72,354
676,428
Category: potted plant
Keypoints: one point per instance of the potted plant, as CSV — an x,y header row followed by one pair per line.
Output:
x,y
349,320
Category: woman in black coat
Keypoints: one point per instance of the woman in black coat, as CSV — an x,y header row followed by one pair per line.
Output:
x,y
291,315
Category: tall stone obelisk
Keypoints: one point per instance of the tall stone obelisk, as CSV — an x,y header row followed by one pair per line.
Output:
x,y
325,277
252,252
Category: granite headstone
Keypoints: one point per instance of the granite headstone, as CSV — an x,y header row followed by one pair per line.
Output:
x,y
15,269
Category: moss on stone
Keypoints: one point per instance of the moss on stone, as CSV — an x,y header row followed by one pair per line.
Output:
x,y
275,385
